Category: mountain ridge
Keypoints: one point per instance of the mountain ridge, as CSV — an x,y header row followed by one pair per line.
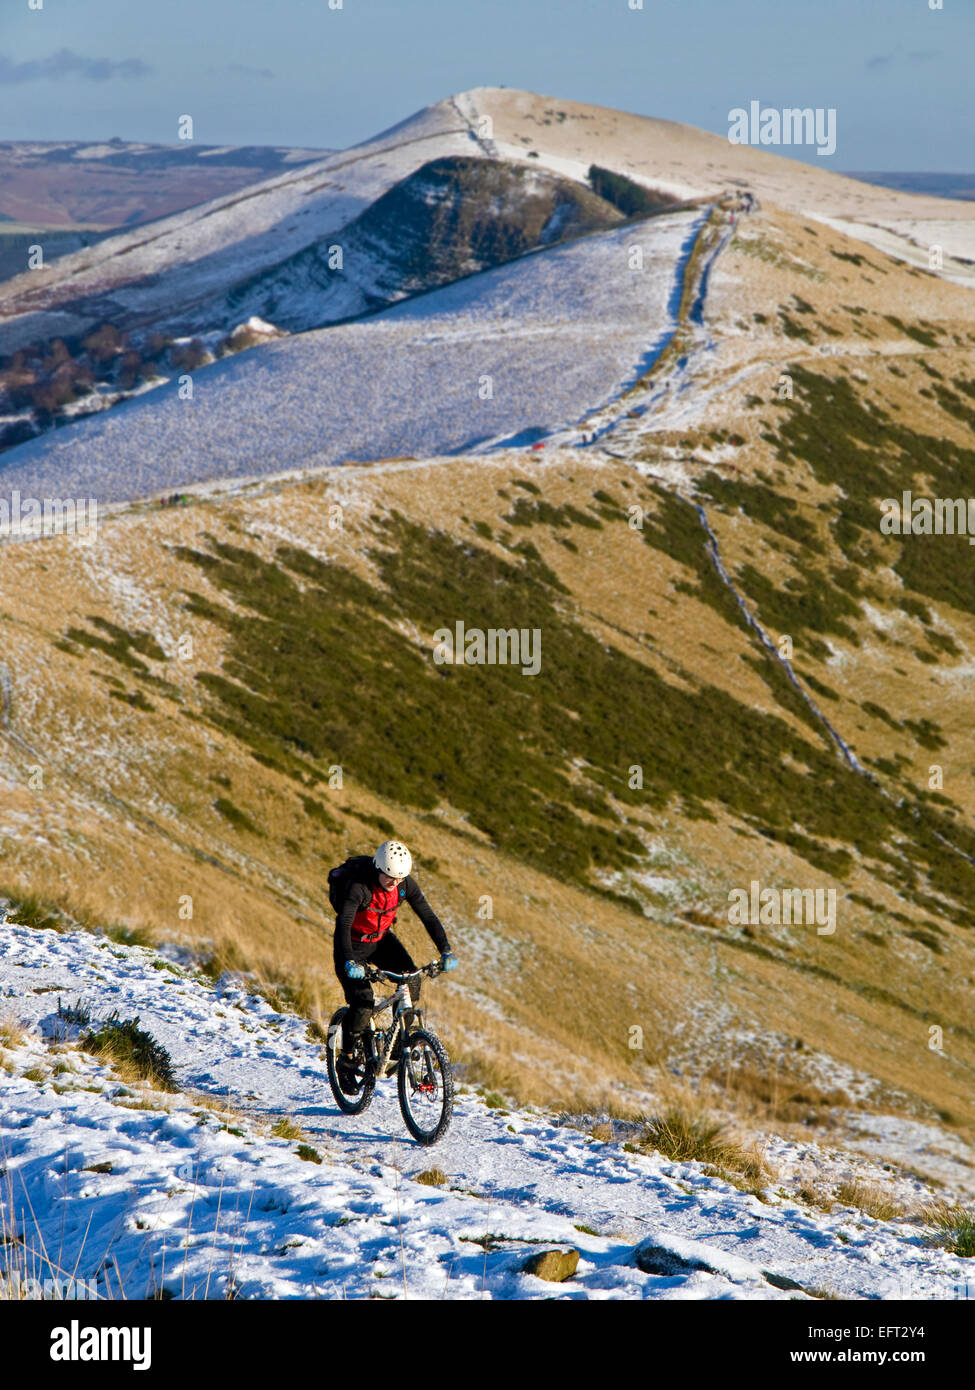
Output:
x,y
224,243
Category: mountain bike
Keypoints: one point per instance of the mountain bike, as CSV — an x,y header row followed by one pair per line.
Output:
x,y
404,1048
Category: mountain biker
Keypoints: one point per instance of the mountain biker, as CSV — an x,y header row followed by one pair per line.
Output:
x,y
373,889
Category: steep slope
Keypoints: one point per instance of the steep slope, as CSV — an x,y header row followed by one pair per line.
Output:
x,y
17,238
186,689
516,351
743,680
162,272
452,218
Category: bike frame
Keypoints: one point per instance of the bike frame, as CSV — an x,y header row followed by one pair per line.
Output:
x,y
380,1056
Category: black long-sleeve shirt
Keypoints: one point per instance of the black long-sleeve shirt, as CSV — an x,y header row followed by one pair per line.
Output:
x,y
360,896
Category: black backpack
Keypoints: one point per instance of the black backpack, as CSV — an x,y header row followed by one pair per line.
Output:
x,y
341,878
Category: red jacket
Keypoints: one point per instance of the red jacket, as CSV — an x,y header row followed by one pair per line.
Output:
x,y
371,923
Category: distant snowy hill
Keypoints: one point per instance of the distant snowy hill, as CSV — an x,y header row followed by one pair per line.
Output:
x,y
150,275
177,271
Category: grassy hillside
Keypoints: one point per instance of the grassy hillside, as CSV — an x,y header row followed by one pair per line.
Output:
x,y
188,689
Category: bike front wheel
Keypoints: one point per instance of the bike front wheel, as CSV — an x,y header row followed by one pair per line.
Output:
x,y
426,1086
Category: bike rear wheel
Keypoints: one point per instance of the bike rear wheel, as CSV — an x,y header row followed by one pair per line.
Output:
x,y
426,1086
349,1102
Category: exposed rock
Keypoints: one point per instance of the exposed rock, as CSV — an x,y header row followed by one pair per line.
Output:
x,y
554,1265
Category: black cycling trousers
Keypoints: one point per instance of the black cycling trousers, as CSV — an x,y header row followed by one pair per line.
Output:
x,y
389,953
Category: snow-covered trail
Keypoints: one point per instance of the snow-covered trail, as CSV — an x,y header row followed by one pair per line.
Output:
x,y
226,1204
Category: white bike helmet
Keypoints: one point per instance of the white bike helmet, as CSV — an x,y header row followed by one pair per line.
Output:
x,y
393,858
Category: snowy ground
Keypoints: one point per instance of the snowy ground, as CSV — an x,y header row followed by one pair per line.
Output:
x,y
142,1190
911,241
552,336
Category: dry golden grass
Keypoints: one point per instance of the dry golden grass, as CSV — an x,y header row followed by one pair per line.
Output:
x,y
11,1033
218,1106
127,1073
688,1133
870,1198
127,806
432,1177
776,1097
286,1128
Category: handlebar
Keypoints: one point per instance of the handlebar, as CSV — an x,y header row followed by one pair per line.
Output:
x,y
373,974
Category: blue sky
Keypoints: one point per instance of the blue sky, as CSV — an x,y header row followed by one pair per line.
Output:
x,y
296,72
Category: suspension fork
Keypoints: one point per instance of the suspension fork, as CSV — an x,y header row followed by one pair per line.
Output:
x,y
419,1075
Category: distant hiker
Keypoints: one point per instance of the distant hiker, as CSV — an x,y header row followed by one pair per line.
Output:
x,y
366,893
